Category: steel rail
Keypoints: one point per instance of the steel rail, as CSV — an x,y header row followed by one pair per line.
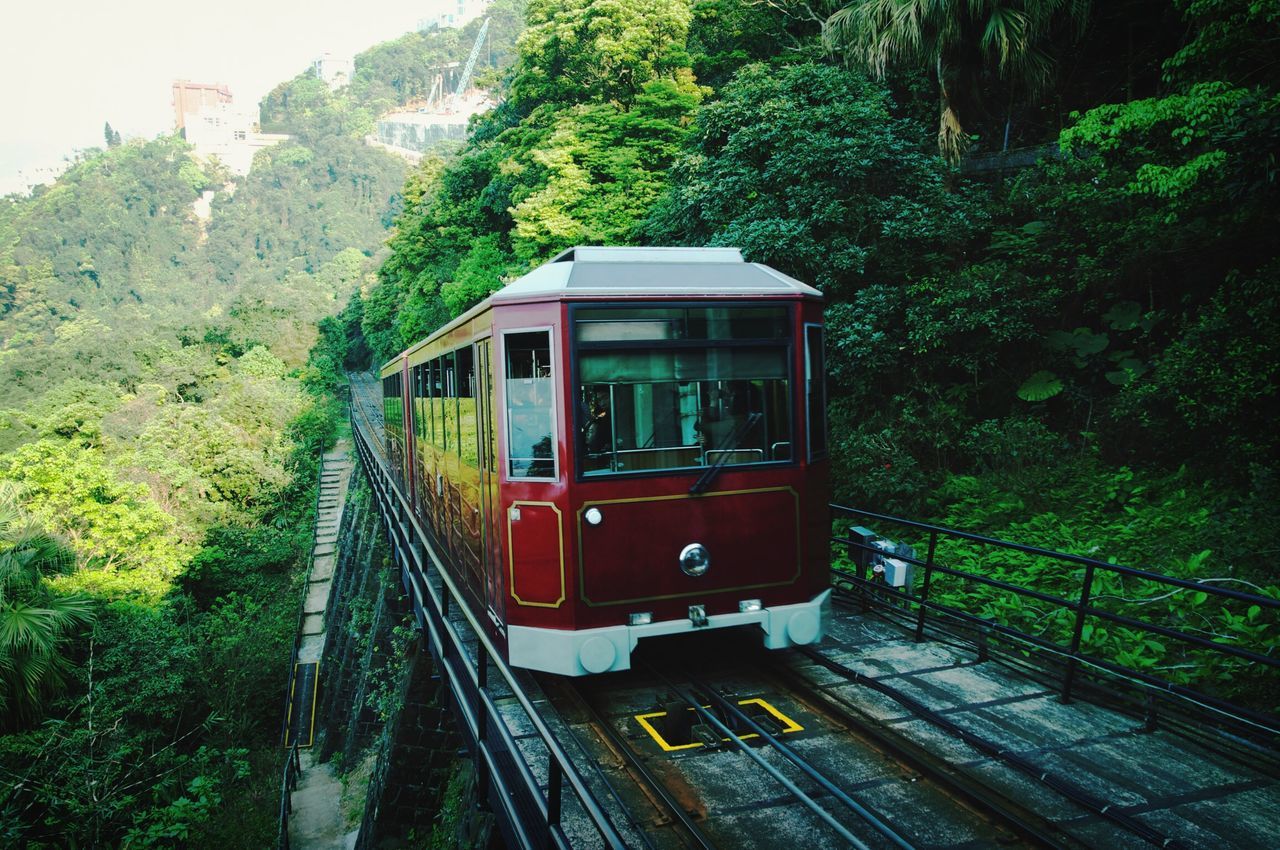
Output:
x,y
1108,810
795,790
637,766
875,821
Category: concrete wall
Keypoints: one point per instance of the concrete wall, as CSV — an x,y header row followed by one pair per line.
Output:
x,y
415,743
420,136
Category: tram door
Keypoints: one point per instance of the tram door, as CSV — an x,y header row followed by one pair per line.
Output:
x,y
491,508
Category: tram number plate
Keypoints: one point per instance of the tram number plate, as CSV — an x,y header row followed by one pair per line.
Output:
x,y
650,723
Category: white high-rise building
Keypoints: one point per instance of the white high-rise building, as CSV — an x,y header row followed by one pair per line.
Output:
x,y
451,14
230,133
335,70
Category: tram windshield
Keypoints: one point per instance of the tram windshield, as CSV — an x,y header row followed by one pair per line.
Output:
x,y
668,388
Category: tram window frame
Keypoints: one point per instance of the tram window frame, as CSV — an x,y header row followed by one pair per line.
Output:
x,y
511,411
689,332
465,368
815,391
449,402
419,405
435,391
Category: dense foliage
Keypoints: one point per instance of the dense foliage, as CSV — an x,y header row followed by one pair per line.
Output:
x,y
161,420
1079,354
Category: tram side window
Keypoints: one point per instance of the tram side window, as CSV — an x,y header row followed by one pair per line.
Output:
x,y
391,411
815,391
468,439
530,395
419,402
435,391
449,406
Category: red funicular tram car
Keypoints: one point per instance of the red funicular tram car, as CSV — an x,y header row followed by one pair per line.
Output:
x,y
625,442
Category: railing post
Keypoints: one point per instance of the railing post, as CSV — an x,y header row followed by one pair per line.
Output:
x,y
1082,609
858,552
924,588
555,780
482,678
1152,720
481,712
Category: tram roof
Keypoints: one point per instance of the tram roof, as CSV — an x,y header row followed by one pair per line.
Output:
x,y
598,271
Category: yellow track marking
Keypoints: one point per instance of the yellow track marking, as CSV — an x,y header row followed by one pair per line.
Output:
x,y
788,725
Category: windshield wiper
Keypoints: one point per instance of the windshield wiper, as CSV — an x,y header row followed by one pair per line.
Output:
x,y
726,448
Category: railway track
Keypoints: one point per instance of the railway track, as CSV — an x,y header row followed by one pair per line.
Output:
x,y
740,755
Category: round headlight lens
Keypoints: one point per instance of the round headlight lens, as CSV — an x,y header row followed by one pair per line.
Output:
x,y
694,559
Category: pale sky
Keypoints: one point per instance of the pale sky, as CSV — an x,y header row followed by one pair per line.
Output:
x,y
68,66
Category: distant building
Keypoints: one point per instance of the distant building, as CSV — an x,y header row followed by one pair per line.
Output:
x,y
413,133
190,98
452,14
335,70
230,133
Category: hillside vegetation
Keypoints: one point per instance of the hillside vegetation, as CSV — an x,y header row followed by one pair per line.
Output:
x,y
161,420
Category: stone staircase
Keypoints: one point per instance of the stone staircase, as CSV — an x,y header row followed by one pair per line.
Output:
x,y
317,822
335,473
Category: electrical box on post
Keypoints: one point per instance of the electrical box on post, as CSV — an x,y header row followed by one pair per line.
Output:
x,y
897,573
860,551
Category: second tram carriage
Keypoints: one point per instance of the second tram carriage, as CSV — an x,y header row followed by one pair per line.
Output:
x,y
625,442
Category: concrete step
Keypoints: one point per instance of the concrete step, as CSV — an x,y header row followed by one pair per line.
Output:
x,y
322,568
317,598
323,549
313,624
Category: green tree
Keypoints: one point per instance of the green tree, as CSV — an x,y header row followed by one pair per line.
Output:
x,y
35,622
958,42
598,50
806,168
127,543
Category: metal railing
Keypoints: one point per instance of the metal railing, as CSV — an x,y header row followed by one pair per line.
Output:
x,y
1082,611
531,817
289,784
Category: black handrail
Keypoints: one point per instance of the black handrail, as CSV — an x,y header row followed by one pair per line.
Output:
x,y
473,701
289,784
1083,608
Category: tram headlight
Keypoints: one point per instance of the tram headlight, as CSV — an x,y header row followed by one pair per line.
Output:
x,y
694,559
749,606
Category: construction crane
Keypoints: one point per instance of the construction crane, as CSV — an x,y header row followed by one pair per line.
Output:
x,y
471,66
